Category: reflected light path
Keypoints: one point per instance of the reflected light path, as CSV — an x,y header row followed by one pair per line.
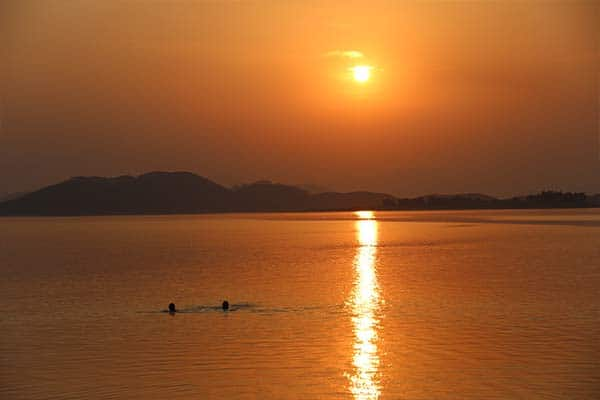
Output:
x,y
365,301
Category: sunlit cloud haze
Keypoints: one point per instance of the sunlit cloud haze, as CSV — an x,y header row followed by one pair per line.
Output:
x,y
345,53
495,97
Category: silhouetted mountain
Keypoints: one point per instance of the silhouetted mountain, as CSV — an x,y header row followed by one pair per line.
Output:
x,y
448,201
11,196
545,199
552,199
176,192
184,192
459,196
349,201
155,192
267,196
312,188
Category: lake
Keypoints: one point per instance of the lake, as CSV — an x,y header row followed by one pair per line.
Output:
x,y
384,305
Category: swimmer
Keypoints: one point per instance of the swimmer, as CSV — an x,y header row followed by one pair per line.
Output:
x,y
225,305
172,308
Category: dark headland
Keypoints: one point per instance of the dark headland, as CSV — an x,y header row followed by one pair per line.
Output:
x,y
188,193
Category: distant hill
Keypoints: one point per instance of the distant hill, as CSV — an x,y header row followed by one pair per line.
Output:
x,y
175,193
349,201
185,192
267,196
11,196
155,192
459,196
544,199
449,201
312,188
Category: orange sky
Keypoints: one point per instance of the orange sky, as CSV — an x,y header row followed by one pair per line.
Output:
x,y
495,97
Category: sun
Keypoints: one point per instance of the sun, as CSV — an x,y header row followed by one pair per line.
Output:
x,y
361,73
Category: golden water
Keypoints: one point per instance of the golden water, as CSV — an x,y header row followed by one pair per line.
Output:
x,y
385,305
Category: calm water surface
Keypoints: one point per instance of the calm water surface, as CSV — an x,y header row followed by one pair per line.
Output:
x,y
386,305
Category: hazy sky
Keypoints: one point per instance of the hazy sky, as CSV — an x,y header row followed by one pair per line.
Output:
x,y
499,97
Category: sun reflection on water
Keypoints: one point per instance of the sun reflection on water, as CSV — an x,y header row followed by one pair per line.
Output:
x,y
364,383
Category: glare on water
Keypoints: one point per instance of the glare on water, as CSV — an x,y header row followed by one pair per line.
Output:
x,y
441,305
364,302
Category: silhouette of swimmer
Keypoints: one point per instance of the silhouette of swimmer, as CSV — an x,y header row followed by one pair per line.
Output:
x,y
225,305
172,308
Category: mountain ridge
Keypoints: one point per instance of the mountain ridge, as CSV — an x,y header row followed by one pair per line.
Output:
x,y
183,192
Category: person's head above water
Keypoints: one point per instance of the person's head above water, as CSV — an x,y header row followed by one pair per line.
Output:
x,y
225,305
172,307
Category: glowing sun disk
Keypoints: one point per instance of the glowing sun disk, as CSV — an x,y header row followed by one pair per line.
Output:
x,y
361,73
